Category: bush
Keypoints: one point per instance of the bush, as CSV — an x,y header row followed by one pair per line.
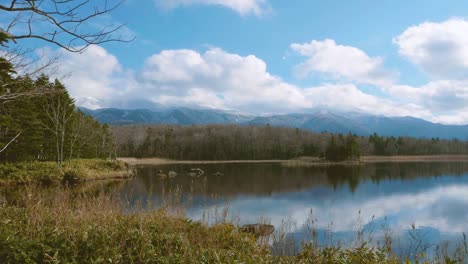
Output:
x,y
73,177
47,173
29,172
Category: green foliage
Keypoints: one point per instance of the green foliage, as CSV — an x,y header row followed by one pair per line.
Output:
x,y
215,142
47,173
28,172
50,125
63,226
344,149
359,255
98,235
235,142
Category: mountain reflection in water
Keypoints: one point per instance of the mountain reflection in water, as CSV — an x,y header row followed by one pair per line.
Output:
x,y
340,199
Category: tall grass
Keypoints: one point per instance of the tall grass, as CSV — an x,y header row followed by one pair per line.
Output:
x,y
47,173
61,225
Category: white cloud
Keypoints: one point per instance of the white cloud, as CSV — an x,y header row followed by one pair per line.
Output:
x,y
243,7
442,95
92,76
439,49
341,62
217,78
349,97
222,80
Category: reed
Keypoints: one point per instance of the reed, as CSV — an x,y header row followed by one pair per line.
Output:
x,y
63,225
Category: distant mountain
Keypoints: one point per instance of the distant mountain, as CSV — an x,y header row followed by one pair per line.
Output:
x,y
362,124
320,121
176,116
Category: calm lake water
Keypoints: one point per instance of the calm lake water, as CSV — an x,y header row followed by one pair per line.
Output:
x,y
404,200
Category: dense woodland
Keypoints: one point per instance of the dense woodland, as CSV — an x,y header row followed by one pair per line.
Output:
x,y
221,142
42,123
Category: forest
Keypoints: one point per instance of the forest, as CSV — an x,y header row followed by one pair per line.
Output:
x,y
233,142
40,122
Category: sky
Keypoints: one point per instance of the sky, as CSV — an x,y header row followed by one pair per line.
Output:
x,y
392,58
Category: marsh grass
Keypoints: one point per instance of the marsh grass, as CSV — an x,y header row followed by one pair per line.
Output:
x,y
58,227
373,243
46,173
63,225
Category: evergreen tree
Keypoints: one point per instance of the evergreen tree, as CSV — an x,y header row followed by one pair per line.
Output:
x,y
46,126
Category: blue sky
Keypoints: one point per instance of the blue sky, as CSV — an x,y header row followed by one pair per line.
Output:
x,y
394,58
367,25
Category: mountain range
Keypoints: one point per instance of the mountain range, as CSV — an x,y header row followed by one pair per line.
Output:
x,y
319,121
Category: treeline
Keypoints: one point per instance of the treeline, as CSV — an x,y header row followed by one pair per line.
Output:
x,y
42,123
223,142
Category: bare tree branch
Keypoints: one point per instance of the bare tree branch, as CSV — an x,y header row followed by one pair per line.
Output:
x,y
66,23
11,141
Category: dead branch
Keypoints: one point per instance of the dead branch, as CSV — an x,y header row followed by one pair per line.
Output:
x,y
69,24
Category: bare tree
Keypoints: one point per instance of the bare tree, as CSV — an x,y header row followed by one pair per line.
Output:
x,y
70,24
11,141
59,111
77,125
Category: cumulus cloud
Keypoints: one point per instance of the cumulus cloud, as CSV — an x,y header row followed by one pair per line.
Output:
x,y
92,75
439,49
218,79
347,97
341,62
222,80
441,95
243,7
213,79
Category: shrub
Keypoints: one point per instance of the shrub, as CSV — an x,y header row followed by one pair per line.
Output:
x,y
47,173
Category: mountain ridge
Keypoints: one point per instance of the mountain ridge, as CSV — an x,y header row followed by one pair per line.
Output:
x,y
318,120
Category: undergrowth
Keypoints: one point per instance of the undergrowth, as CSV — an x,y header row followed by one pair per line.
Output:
x,y
47,173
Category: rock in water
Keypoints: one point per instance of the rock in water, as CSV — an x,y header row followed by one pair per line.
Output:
x,y
258,230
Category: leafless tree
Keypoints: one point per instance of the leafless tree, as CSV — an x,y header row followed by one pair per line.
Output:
x,y
59,112
11,141
69,24
72,25
77,128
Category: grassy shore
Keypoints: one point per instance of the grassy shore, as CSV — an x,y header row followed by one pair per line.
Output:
x,y
304,160
58,226
47,173
62,225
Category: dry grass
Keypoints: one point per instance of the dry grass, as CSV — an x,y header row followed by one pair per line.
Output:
x,y
64,227
304,160
68,226
47,173
416,158
160,161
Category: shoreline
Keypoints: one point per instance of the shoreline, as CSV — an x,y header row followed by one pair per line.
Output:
x,y
79,171
304,160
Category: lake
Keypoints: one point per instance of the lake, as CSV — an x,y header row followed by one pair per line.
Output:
x,y
414,204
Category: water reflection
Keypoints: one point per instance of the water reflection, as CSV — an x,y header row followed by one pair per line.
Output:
x,y
342,199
